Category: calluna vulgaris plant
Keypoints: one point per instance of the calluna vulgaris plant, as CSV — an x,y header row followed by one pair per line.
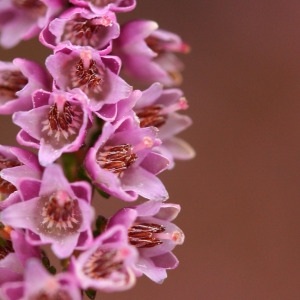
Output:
x,y
89,131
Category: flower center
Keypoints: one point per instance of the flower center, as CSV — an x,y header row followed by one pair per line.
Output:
x,y
60,211
116,159
57,295
10,83
86,32
5,248
102,263
88,77
6,188
151,116
35,7
64,122
143,235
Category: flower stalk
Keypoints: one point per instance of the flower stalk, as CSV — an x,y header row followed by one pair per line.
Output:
x,y
89,130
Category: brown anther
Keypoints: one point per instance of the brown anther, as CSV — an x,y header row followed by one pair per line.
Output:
x,y
60,120
10,83
60,215
150,116
155,44
81,31
90,78
143,235
102,263
35,6
116,159
50,295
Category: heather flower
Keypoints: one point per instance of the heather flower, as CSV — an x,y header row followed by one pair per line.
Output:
x,y
18,80
23,19
15,164
150,230
53,211
108,263
158,107
141,43
96,75
57,124
79,26
39,284
98,6
14,253
123,164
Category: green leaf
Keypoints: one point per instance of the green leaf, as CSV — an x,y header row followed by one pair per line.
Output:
x,y
52,270
91,293
3,242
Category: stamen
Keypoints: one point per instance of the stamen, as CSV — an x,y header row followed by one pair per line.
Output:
x,y
102,263
35,7
60,211
87,76
145,235
50,295
6,188
10,83
116,159
160,46
86,32
151,116
63,119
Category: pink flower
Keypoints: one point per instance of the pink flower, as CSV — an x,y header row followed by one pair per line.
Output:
x,y
15,164
108,263
21,20
150,230
98,6
18,80
84,68
82,27
14,253
123,164
56,124
40,284
53,211
141,43
158,107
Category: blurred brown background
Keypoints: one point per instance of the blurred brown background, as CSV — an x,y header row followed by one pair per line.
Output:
x,y
240,195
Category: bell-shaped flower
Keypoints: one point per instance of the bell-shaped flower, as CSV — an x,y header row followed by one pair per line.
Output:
x,y
81,27
151,231
56,124
84,68
123,164
18,80
53,211
158,107
100,6
15,164
39,284
108,263
142,43
21,20
14,253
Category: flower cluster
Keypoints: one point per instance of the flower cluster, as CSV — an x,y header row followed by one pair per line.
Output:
x,y
89,131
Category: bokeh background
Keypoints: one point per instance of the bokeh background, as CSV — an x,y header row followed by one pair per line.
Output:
x,y
240,195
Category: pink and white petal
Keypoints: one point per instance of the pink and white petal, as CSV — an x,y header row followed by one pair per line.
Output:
x,y
145,184
179,148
